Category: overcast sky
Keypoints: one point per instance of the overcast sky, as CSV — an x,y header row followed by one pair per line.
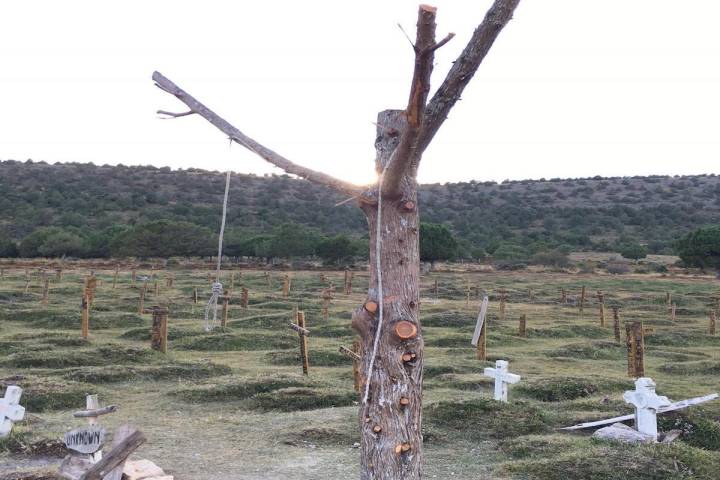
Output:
x,y
572,87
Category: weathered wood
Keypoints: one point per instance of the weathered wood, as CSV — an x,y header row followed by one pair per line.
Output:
x,y
582,299
673,308
96,412
141,300
244,297
635,341
159,332
85,325
303,342
286,285
46,290
616,323
671,408
121,434
115,457
350,353
300,330
357,375
563,296
225,310
522,331
115,276
713,321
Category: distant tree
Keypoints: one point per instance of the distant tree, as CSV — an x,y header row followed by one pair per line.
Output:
x,y
633,251
8,248
335,250
436,243
292,240
97,243
701,248
551,258
62,243
509,251
30,245
163,238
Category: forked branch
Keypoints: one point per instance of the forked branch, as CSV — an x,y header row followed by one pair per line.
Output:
x,y
247,142
464,68
405,153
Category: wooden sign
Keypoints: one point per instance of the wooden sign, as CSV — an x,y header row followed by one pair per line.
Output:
x,y
479,339
86,440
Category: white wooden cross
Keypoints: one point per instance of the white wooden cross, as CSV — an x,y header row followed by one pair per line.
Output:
x,y
647,403
10,410
502,379
480,321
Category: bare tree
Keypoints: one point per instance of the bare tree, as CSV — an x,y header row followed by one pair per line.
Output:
x,y
388,325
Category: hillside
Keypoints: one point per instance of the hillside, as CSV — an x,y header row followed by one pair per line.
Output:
x,y
585,214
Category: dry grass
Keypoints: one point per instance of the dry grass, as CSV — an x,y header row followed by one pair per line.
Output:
x,y
234,404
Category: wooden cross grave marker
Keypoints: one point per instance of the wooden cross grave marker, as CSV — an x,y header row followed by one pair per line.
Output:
x,y
601,307
10,409
299,327
355,355
91,439
503,378
479,339
713,321
159,332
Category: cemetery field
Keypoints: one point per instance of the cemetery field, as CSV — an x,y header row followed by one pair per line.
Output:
x,y
234,404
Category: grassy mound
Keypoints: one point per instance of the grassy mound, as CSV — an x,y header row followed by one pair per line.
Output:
x,y
450,319
591,460
698,430
42,395
104,355
225,392
557,389
225,342
430,371
570,331
679,338
482,418
691,368
22,444
318,358
175,371
321,436
589,351
143,333
266,320
294,399
332,331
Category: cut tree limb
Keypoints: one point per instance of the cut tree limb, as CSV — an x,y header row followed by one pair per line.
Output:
x,y
464,68
115,457
239,137
404,154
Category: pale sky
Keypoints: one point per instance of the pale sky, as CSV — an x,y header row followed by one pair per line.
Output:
x,y
572,88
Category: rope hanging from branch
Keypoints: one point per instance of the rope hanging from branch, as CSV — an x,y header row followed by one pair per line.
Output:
x,y
378,269
217,287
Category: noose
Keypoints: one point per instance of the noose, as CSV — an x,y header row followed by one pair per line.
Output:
x,y
217,287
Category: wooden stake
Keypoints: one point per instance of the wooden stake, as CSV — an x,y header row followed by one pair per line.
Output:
x,y
267,279
635,341
616,322
159,335
85,327
303,343
503,298
117,268
522,330
195,295
713,320
286,285
141,301
58,274
668,299
436,288
226,309
582,299
601,306
157,289
244,297
133,276
672,312
563,296
531,294
46,290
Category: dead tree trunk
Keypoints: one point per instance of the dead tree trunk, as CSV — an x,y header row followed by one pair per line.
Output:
x,y
391,343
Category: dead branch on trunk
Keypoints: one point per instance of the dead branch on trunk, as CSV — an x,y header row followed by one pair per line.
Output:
x,y
464,68
247,142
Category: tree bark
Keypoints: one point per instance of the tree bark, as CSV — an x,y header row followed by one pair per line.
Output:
x,y
394,451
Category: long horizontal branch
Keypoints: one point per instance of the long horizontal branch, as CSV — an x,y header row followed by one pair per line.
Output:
x,y
239,137
404,154
464,68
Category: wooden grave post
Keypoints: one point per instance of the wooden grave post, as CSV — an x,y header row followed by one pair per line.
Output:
x,y
467,293
582,299
435,289
563,296
267,279
479,340
159,332
635,341
46,290
531,294
133,276
299,327
616,322
141,300
673,308
503,299
27,285
226,309
91,413
195,295
58,274
85,326
522,331
713,321
286,285
668,299
117,268
354,353
244,297
157,289
601,307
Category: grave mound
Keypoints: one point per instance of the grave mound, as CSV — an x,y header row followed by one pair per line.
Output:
x,y
225,342
557,389
173,371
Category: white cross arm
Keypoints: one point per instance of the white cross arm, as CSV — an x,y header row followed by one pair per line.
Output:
x,y
504,376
